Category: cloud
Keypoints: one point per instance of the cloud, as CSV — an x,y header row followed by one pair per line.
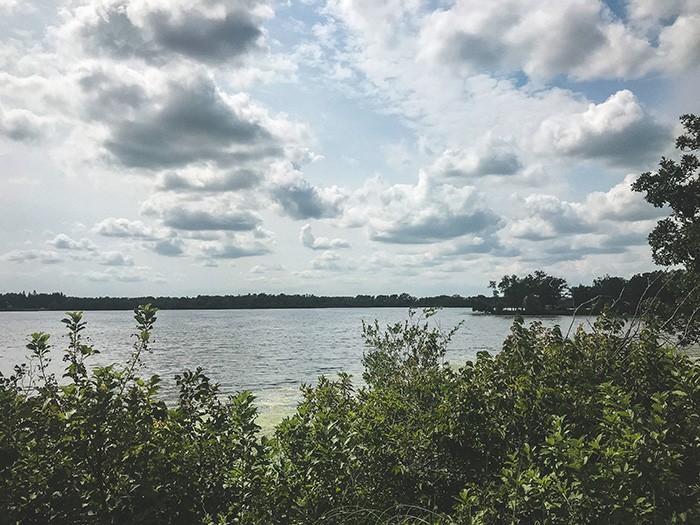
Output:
x,y
430,228
195,123
63,242
405,262
221,120
169,247
300,200
425,213
615,239
216,32
206,39
617,131
606,223
9,5
185,129
562,251
679,43
651,9
202,216
231,250
266,268
327,261
592,43
620,203
308,240
22,125
132,274
210,180
196,218
491,157
113,227
234,245
98,277
111,93
548,218
113,258
41,256
476,246
508,35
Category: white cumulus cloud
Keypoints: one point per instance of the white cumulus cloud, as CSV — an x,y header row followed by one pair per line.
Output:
x,y
308,240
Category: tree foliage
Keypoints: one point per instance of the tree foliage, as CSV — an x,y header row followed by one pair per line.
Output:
x,y
676,239
535,293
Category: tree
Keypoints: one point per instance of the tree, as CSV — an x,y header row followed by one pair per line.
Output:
x,y
534,292
676,239
512,290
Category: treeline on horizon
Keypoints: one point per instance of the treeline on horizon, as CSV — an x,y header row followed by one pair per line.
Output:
x,y
60,301
535,293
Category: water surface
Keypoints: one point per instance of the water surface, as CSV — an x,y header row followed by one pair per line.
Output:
x,y
271,352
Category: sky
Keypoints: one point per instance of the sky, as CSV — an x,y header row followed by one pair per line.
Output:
x,y
333,147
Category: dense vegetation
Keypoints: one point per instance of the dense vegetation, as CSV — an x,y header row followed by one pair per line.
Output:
x,y
601,427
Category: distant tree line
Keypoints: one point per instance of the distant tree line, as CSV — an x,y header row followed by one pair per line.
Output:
x,y
61,302
536,293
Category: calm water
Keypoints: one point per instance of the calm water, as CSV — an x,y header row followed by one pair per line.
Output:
x,y
271,352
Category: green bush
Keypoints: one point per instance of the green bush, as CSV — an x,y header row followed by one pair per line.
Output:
x,y
601,427
102,448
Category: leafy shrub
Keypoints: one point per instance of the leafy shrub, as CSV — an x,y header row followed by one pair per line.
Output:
x,y
102,448
599,428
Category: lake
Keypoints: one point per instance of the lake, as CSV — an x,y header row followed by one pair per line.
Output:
x,y
271,352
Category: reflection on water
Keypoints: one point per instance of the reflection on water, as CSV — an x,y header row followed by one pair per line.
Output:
x,y
271,352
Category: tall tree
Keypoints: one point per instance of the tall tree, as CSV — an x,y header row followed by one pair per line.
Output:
x,y
676,239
